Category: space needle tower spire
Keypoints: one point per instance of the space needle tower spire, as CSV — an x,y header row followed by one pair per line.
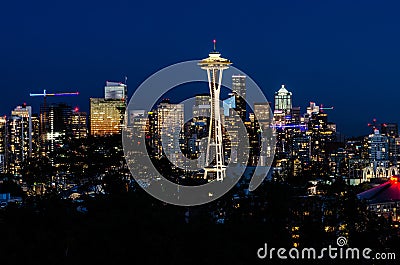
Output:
x,y
215,65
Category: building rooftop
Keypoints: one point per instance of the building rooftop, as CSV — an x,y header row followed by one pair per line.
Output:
x,y
283,90
386,192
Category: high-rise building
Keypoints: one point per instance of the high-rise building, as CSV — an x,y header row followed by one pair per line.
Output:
x,y
59,118
390,129
253,129
54,126
378,147
106,116
239,91
202,106
20,138
321,132
283,100
115,90
25,112
35,136
170,121
322,135
377,166
78,124
3,143
228,105
295,115
19,144
312,109
301,149
137,118
151,133
44,128
232,120
262,112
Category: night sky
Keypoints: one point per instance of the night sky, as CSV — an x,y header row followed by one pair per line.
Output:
x,y
344,54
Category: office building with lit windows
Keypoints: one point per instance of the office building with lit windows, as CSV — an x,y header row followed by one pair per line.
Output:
x,y
378,147
170,121
115,90
202,106
78,124
3,143
20,135
106,116
239,91
59,118
283,100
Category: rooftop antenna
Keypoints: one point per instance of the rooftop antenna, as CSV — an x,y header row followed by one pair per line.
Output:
x,y
215,45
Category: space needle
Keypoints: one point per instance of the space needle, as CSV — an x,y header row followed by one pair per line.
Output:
x,y
215,65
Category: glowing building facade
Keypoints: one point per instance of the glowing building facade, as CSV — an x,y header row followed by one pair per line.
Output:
x,y
78,124
20,138
283,100
106,116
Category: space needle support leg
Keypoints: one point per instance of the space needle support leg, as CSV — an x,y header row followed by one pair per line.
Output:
x,y
210,136
218,130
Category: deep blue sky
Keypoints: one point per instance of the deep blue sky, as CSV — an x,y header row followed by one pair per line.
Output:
x,y
340,53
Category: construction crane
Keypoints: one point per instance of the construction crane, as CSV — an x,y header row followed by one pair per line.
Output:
x,y
45,94
322,108
43,119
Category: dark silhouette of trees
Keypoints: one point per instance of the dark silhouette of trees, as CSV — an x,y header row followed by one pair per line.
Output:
x,y
37,170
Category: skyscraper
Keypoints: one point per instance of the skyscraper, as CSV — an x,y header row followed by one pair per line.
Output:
x,y
202,107
239,91
78,124
263,113
115,90
170,121
3,143
35,136
20,135
322,132
59,118
201,118
391,131
263,116
283,100
378,147
106,116
232,121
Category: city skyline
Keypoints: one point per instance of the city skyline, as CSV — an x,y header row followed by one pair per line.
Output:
x,y
318,50
36,104
266,129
